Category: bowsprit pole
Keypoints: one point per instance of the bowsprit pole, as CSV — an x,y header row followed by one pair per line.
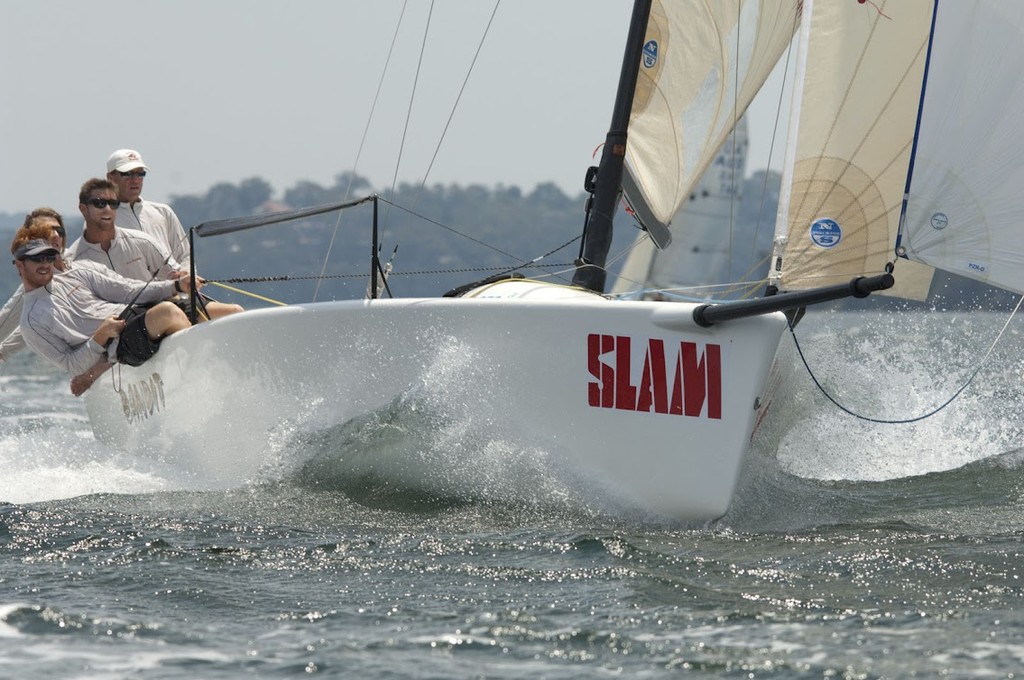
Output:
x,y
860,287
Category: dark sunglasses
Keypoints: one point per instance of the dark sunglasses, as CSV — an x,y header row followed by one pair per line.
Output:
x,y
49,257
133,173
104,203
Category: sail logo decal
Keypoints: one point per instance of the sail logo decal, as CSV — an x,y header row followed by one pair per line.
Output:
x,y
826,233
939,221
681,379
142,398
650,53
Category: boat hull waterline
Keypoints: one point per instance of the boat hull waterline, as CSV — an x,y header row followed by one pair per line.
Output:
x,y
632,395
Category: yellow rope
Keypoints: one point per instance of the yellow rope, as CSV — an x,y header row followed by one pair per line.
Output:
x,y
245,292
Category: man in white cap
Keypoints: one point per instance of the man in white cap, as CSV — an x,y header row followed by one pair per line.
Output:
x,y
129,252
126,169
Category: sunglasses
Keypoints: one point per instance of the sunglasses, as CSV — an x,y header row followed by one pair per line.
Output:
x,y
104,203
49,257
133,173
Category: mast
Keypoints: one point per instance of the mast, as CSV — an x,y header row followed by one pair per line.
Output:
x,y
597,236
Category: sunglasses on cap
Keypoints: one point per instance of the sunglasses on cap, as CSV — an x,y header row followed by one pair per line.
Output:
x,y
104,203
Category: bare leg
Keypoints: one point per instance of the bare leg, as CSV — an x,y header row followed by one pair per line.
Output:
x,y
218,309
80,383
165,318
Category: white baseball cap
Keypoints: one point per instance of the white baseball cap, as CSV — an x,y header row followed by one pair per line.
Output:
x,y
124,160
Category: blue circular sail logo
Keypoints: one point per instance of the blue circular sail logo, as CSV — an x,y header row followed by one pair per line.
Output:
x,y
939,221
826,233
650,53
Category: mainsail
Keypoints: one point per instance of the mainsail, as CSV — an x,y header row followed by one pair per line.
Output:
x,y
964,211
859,77
703,64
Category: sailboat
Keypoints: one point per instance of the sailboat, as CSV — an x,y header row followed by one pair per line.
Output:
x,y
646,401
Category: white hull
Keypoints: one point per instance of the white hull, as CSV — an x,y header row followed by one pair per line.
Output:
x,y
559,369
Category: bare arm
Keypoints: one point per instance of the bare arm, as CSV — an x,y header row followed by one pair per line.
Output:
x,y
82,382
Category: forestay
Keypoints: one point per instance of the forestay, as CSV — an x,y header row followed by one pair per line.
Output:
x,y
965,211
703,63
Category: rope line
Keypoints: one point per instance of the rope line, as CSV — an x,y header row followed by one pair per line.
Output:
x,y
915,419
252,295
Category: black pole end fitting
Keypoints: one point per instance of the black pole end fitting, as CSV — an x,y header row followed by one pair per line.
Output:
x,y
862,286
700,319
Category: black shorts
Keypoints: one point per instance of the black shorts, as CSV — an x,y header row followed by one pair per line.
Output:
x,y
135,346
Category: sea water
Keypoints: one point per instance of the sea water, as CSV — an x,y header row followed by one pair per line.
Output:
x,y
854,549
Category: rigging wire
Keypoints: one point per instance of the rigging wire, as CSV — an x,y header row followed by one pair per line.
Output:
x,y
408,118
454,270
522,263
412,99
455,105
904,421
771,147
362,143
732,137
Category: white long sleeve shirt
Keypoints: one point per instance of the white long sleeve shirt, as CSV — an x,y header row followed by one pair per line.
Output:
x,y
10,316
11,341
133,254
159,221
58,320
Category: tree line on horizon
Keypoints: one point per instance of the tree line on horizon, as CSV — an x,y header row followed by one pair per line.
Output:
x,y
445,235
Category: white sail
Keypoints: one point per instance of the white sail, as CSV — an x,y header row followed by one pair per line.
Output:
x,y
859,78
965,212
712,250
703,64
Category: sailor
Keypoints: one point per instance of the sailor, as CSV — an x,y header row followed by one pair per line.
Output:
x,y
47,224
126,169
78,319
129,252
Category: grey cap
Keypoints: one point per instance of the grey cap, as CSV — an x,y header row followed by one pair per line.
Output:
x,y
35,247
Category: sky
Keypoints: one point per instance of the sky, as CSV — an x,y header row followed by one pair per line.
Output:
x,y
221,91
